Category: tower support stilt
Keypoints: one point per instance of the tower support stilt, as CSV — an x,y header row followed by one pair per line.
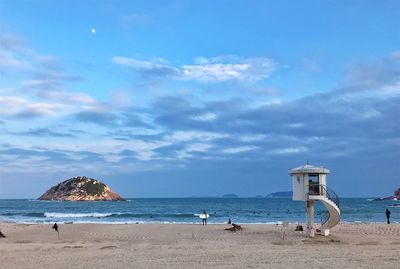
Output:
x,y
310,218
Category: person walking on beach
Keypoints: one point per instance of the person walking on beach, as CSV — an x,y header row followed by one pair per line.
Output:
x,y
388,215
55,227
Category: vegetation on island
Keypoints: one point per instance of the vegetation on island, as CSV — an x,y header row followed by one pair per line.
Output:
x,y
94,187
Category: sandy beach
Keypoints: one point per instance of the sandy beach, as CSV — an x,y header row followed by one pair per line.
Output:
x,y
197,246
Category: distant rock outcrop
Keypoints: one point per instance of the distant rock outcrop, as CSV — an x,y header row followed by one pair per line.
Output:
x,y
396,196
81,189
397,193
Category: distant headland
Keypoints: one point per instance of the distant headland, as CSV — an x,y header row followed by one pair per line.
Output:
x,y
230,195
280,194
81,188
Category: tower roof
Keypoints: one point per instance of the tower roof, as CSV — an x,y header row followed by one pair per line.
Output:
x,y
309,169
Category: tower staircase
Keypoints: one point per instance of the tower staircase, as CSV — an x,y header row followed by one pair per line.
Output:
x,y
330,200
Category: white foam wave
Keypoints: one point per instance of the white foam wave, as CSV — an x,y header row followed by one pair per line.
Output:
x,y
76,215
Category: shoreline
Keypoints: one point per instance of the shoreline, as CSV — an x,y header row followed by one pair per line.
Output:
x,y
197,246
186,223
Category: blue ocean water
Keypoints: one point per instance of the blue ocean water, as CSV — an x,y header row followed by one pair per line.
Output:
x,y
187,210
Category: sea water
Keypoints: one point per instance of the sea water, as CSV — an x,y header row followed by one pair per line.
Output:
x,y
187,210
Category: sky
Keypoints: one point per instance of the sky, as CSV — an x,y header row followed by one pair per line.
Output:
x,y
199,98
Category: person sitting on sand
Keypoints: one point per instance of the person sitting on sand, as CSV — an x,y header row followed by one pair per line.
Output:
x,y
299,228
388,215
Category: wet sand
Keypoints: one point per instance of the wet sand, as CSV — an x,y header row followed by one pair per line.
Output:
x,y
197,246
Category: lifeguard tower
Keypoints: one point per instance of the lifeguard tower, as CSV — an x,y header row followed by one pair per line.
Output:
x,y
309,185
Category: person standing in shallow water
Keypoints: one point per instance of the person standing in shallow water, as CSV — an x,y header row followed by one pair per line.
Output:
x,y
388,215
204,219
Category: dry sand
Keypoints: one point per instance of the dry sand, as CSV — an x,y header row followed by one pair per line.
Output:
x,y
196,246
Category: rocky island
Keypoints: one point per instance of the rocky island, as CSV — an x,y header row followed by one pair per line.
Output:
x,y
81,188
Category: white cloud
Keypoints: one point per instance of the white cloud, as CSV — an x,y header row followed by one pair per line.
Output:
x,y
205,117
214,72
8,60
12,53
264,91
393,88
196,147
369,114
238,149
205,70
199,147
396,55
273,102
253,69
76,97
290,150
296,125
201,60
40,90
14,106
68,97
120,99
183,136
251,138
152,65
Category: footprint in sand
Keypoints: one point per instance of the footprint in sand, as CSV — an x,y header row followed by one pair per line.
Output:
x,y
72,246
368,243
108,247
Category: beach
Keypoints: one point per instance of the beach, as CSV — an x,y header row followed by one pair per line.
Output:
x,y
197,246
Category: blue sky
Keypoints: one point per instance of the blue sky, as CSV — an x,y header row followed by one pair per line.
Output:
x,y
182,98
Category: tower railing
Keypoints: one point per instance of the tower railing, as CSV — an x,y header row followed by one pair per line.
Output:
x,y
322,190
324,216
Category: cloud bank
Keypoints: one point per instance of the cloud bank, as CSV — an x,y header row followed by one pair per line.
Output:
x,y
47,128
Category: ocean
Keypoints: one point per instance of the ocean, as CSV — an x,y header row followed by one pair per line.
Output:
x,y
187,210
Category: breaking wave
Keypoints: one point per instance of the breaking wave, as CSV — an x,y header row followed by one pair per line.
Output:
x,y
115,215
76,215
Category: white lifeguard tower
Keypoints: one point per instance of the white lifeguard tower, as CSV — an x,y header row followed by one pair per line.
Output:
x,y
309,185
